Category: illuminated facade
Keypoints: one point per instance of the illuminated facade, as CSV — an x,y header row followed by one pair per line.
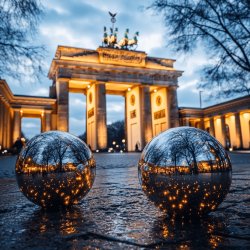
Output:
x,y
228,122
148,85
15,107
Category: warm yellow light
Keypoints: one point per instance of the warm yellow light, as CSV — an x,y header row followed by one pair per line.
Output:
x,y
113,142
88,86
246,115
123,140
129,89
155,90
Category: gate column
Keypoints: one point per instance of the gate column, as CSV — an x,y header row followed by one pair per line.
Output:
x,y
134,115
96,116
238,130
62,95
16,124
46,121
146,119
172,106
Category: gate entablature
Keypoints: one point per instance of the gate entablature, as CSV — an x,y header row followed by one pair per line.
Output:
x,y
107,64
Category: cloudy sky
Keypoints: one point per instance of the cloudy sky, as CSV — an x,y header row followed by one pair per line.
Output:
x,y
80,23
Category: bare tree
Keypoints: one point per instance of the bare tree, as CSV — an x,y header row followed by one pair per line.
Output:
x,y
223,28
19,54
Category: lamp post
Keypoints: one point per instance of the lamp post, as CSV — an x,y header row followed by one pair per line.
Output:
x,y
124,146
200,98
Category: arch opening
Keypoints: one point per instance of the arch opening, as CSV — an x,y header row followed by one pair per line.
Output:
x,y
115,105
30,127
77,115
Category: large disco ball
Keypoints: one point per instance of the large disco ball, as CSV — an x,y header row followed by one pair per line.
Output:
x,y
185,172
55,169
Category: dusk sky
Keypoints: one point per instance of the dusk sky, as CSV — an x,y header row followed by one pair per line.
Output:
x,y
80,23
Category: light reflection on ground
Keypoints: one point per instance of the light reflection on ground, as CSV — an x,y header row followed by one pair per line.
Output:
x,y
117,215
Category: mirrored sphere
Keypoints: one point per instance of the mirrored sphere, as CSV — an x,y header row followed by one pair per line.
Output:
x,y
55,169
185,172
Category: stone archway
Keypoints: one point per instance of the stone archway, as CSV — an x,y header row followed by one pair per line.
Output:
x,y
148,85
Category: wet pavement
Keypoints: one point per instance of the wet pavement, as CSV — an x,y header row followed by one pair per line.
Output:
x,y
117,215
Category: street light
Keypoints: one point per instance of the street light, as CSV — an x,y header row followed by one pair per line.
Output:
x,y
200,98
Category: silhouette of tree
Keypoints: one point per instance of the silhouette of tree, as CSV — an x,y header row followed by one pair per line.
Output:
x,y
223,29
186,148
51,149
19,20
116,132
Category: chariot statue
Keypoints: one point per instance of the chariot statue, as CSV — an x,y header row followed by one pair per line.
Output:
x,y
110,40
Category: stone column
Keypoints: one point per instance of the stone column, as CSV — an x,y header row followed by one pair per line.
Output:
x,y
101,123
1,123
43,123
146,117
126,123
47,120
185,121
5,119
8,128
16,124
202,124
223,130
173,106
62,95
238,131
211,127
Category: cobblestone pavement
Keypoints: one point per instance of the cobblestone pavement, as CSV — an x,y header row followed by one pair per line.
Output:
x,y
117,215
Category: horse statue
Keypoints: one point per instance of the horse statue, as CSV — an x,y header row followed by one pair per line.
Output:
x,y
112,39
105,37
133,42
123,43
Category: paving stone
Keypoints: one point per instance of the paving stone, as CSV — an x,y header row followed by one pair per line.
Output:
x,y
117,215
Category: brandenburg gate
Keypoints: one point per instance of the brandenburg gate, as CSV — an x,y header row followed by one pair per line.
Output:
x,y
148,85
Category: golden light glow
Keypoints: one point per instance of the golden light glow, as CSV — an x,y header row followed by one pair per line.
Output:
x,y
246,115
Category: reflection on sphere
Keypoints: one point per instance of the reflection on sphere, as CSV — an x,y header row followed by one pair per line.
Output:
x,y
55,169
185,172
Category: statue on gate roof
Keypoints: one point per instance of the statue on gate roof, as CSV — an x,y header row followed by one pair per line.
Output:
x,y
110,41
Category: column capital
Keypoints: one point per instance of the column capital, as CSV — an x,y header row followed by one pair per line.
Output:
x,y
173,87
62,79
46,111
16,109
